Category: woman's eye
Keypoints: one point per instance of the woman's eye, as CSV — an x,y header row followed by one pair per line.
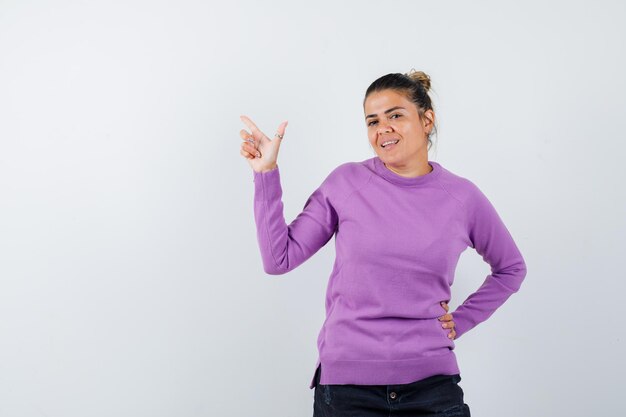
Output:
x,y
374,121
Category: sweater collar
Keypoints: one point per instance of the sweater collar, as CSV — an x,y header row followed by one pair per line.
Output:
x,y
391,176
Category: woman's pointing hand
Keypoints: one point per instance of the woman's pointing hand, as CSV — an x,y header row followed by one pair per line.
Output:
x,y
260,151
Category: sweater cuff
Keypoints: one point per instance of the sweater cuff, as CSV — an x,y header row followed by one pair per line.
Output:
x,y
267,184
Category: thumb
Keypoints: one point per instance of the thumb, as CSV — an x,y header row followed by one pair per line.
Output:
x,y
280,133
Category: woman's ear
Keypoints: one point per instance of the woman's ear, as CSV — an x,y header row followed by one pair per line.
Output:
x,y
429,120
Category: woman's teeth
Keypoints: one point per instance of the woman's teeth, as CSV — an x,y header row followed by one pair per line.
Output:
x,y
391,142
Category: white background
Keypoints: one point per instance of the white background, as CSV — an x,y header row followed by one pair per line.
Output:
x,y
131,281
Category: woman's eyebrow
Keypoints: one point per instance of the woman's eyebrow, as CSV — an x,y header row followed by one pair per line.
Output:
x,y
386,111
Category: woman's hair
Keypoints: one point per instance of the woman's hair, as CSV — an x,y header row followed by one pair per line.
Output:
x,y
414,85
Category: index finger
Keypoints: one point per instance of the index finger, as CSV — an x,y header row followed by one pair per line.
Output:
x,y
251,125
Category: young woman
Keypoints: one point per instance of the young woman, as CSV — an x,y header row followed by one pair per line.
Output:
x,y
400,223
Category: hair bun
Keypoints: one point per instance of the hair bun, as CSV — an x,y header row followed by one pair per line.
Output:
x,y
421,77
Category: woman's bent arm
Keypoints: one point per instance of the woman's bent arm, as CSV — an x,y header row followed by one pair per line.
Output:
x,y
284,247
491,239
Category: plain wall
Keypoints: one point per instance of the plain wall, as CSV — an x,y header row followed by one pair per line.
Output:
x,y
131,282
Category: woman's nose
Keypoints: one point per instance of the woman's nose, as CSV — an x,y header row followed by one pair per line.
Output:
x,y
384,128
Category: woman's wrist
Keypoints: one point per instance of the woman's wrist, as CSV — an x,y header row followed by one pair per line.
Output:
x,y
267,169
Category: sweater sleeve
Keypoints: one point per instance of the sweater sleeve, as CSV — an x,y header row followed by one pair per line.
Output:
x,y
491,239
284,247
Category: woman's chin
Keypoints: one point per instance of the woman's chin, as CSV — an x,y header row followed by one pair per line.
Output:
x,y
388,158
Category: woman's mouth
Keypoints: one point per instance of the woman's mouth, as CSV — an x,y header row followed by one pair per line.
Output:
x,y
389,144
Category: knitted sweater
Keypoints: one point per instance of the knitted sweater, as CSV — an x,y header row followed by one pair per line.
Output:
x,y
398,240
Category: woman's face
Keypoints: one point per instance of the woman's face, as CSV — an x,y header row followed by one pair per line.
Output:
x,y
390,116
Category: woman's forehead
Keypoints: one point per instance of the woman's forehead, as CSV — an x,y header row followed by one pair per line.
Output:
x,y
381,101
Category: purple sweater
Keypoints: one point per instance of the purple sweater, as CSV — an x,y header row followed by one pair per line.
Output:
x,y
397,242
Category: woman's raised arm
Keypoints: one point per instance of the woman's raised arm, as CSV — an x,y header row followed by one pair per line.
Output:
x,y
284,247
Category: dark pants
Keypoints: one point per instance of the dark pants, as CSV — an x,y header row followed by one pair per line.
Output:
x,y
435,396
